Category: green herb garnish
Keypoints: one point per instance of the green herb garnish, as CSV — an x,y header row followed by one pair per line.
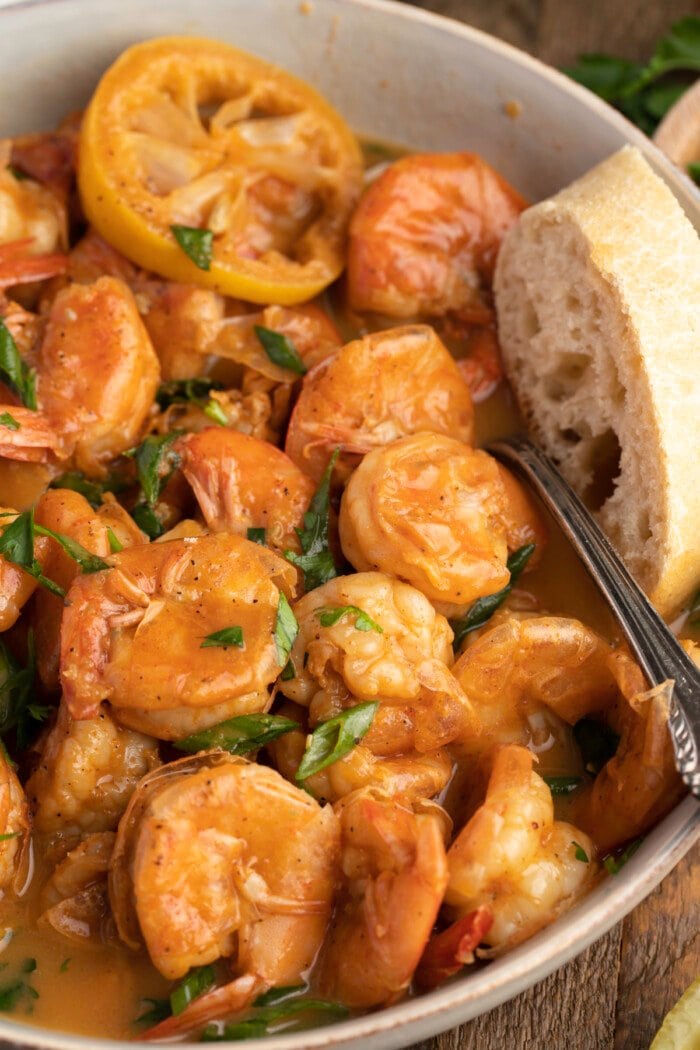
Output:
x,y
286,630
316,560
92,490
613,864
197,244
16,691
224,638
579,852
88,562
335,738
597,742
158,1010
17,546
198,981
694,611
29,966
115,545
156,461
14,371
483,608
256,536
180,391
280,349
330,615
239,735
633,87
9,835
694,172
562,785
272,1008
215,412
64,965
288,672
6,420
11,994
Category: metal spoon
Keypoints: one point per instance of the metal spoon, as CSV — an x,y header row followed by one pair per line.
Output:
x,y
654,646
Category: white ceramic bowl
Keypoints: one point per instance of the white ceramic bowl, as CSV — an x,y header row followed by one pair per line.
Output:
x,y
401,75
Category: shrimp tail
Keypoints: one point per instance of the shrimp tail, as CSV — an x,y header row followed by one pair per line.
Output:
x,y
447,952
229,999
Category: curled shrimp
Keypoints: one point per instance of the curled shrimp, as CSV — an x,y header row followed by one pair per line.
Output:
x,y
20,264
86,773
520,665
513,858
96,378
375,390
200,854
134,634
402,662
241,482
408,777
30,215
640,783
182,321
394,870
425,236
69,513
436,513
49,156
17,586
14,826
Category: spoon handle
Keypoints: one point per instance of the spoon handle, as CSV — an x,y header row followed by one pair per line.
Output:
x,y
654,646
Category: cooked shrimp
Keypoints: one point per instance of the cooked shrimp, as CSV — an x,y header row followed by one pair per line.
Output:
x,y
92,258
182,321
201,854
640,783
86,774
16,586
408,777
514,858
19,264
482,367
134,634
74,901
375,390
30,214
246,413
436,513
425,236
96,378
521,664
241,483
14,824
402,663
70,514
394,870
49,156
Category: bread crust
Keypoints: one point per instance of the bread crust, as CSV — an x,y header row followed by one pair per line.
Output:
x,y
598,299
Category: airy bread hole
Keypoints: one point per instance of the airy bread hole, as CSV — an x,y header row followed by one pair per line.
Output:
x,y
531,324
563,381
604,454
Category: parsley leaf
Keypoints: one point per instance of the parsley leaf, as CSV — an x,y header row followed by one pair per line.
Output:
x,y
330,615
156,461
694,611
17,546
271,1008
286,630
92,490
198,981
579,852
115,545
280,349
597,742
14,371
16,692
335,738
483,608
88,562
613,864
316,560
256,536
157,1012
197,244
224,638
694,172
562,785
6,420
239,735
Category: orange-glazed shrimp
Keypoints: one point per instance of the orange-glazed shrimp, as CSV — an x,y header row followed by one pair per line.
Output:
x,y
513,858
14,825
223,858
49,156
17,586
482,368
408,777
395,874
74,900
520,665
425,236
92,258
182,321
241,482
69,513
402,662
432,511
96,378
640,783
30,215
19,264
375,390
134,634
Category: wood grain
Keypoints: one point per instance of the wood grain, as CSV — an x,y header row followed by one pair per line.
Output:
x,y
615,995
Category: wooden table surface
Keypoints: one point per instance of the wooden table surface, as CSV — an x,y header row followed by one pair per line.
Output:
x,y
614,996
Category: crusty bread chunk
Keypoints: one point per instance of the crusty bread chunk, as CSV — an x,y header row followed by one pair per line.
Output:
x,y
598,298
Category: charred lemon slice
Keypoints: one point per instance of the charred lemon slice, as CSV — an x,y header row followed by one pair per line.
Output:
x,y
208,165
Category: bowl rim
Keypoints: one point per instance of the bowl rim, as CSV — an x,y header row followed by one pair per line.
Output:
x,y
460,1000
